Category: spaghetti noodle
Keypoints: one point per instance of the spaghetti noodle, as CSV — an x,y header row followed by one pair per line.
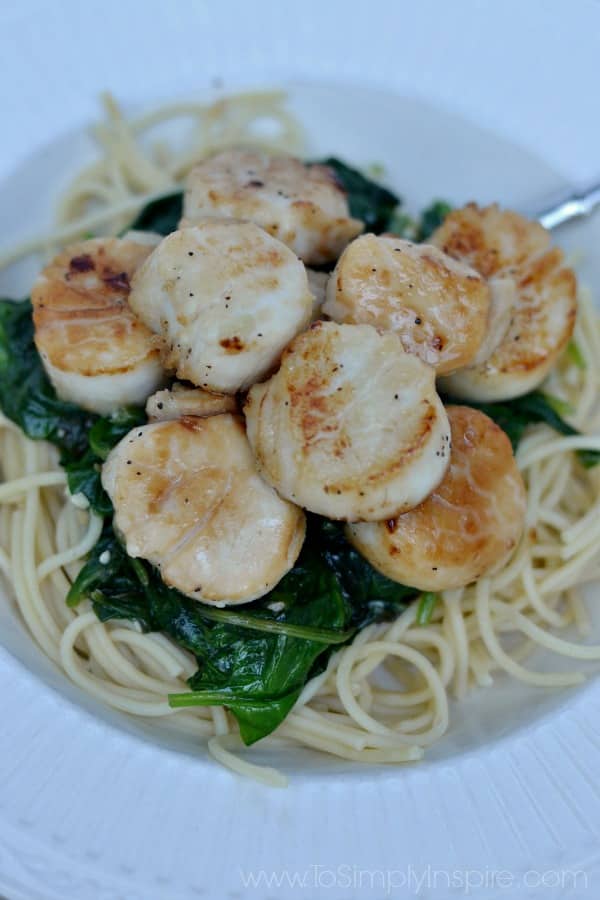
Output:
x,y
385,697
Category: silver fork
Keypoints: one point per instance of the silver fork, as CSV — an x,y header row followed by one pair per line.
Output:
x,y
566,208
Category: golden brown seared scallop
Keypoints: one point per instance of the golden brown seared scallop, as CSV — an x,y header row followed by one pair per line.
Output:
x,y
96,352
188,498
490,239
437,306
179,401
350,426
302,205
468,527
226,298
503,300
501,244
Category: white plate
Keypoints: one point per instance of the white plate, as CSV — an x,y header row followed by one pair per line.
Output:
x,y
94,806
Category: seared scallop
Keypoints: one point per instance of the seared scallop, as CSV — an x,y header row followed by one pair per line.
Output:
x,y
226,299
503,300
96,352
302,205
501,244
350,426
490,239
179,401
437,306
188,498
468,526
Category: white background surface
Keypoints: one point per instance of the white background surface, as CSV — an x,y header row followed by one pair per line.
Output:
x,y
88,813
528,69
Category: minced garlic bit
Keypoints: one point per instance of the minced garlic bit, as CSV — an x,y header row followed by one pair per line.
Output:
x,y
276,606
80,501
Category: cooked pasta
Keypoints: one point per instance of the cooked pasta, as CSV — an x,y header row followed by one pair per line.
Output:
x,y
388,695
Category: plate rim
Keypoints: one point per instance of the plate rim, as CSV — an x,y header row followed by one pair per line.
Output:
x,y
31,858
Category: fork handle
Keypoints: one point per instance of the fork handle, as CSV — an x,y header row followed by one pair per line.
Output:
x,y
572,207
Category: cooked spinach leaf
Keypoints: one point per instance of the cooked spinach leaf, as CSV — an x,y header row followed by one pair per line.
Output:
x,y
84,472
259,676
28,399
160,216
368,201
513,416
431,218
255,661
371,597
109,581
257,673
420,229
84,477
106,432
